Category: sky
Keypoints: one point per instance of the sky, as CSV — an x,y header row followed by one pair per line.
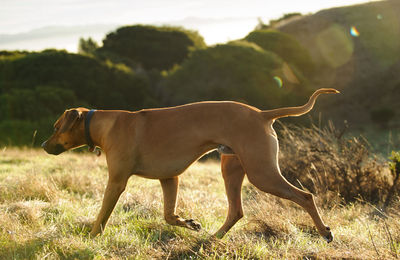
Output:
x,y
39,24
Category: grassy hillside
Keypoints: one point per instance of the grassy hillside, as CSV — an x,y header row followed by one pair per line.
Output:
x,y
357,50
48,203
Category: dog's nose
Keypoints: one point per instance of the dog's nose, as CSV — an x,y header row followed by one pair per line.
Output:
x,y
44,144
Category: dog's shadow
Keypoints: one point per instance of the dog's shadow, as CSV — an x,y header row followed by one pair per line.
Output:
x,y
197,248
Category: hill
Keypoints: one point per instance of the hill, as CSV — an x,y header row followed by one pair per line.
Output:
x,y
356,49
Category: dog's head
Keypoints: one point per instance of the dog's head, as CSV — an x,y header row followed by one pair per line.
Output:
x,y
68,132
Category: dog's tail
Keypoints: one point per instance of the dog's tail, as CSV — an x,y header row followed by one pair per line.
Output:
x,y
297,111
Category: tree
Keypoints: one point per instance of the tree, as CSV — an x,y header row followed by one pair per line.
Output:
x,y
152,47
87,47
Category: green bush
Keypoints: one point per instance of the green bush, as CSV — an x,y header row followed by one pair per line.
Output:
x,y
394,166
31,104
95,83
285,46
151,47
35,88
24,132
238,71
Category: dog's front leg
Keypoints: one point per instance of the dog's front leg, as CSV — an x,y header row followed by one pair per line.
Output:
x,y
170,192
115,187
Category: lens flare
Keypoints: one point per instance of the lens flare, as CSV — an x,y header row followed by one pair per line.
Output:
x,y
335,45
278,81
289,74
354,32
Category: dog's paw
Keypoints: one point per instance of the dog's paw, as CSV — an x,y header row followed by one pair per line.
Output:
x,y
193,225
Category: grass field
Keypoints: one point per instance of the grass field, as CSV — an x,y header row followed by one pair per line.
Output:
x,y
47,204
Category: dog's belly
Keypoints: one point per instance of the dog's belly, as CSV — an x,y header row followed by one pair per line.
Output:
x,y
170,164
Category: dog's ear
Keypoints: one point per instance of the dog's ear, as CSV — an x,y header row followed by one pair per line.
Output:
x,y
71,117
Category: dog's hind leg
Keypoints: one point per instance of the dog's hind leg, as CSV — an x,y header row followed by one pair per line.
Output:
x,y
170,192
233,174
283,189
263,172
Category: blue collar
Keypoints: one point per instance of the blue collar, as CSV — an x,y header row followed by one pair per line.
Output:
x,y
89,140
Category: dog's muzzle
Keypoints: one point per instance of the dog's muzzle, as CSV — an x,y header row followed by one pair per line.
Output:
x,y
329,237
56,149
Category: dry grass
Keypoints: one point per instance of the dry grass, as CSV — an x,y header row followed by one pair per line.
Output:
x,y
47,204
332,166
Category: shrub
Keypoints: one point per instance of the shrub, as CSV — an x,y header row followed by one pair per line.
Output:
x,y
40,102
326,163
238,71
285,46
40,86
98,84
394,166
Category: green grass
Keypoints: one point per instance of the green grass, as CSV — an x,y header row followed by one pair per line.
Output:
x,y
47,205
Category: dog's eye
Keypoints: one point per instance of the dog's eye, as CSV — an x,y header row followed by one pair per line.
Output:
x,y
55,129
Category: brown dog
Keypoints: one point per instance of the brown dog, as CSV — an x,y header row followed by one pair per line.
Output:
x,y
162,143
